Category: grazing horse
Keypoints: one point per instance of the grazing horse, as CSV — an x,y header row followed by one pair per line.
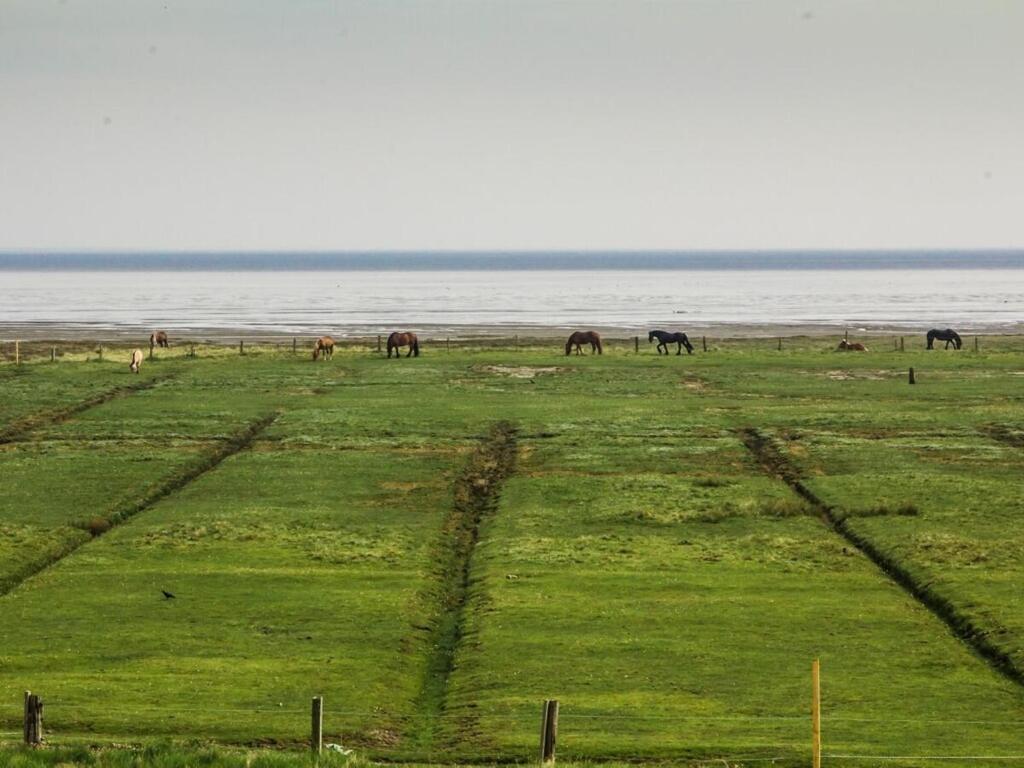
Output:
x,y
324,346
579,338
949,336
158,339
136,362
665,338
396,340
851,346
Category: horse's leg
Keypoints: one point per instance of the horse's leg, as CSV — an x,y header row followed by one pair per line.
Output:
x,y
679,348
409,353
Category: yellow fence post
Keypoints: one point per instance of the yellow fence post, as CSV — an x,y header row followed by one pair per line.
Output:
x,y
815,714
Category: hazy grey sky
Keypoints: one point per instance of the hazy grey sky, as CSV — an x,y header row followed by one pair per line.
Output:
x,y
242,124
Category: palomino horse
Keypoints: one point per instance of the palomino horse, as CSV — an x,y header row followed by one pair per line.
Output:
x,y
136,362
579,338
949,336
396,340
851,346
665,338
158,339
324,346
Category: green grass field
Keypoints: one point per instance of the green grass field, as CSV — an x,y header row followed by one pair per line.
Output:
x,y
352,529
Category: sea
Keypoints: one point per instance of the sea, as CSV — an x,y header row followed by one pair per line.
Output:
x,y
225,295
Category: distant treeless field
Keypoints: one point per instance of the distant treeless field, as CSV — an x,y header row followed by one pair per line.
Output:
x,y
438,544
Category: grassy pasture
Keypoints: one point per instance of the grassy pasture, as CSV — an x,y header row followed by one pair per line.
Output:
x,y
641,566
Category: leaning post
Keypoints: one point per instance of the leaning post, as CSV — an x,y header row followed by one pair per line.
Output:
x,y
910,377
901,343
704,343
548,731
295,343
636,345
241,346
975,343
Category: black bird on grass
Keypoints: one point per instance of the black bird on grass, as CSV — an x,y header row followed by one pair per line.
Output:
x,y
167,595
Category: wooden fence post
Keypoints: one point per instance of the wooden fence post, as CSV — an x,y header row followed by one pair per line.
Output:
x,y
17,353
910,378
815,714
636,344
53,354
33,719
378,343
447,344
316,739
975,343
548,731
100,350
780,343
901,343
241,346
704,343
517,341
192,350
846,335
295,345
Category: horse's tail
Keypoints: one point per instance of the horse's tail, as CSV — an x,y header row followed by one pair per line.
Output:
x,y
416,347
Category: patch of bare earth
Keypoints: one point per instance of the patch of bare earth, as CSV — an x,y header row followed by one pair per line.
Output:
x,y
522,371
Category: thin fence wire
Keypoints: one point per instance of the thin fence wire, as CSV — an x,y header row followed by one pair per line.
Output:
x,y
921,757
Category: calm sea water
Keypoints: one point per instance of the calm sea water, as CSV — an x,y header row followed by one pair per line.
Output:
x,y
744,297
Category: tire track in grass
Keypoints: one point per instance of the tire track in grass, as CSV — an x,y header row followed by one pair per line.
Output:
x,y
475,496
175,482
961,625
34,421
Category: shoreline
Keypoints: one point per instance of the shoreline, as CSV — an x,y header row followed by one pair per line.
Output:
x,y
39,332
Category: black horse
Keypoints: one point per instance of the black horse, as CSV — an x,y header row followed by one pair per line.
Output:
x,y
949,336
665,338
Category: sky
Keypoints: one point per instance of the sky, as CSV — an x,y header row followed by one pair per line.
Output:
x,y
518,125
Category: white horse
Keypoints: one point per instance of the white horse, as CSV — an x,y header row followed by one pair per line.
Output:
x,y
136,362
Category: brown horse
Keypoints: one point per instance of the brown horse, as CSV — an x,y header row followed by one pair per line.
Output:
x,y
158,339
136,362
851,346
324,346
396,340
579,338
